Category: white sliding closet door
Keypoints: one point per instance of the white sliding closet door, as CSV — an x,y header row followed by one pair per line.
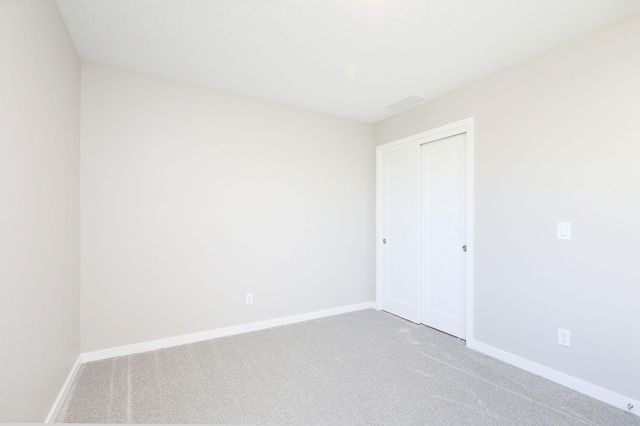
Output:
x,y
425,222
443,234
399,266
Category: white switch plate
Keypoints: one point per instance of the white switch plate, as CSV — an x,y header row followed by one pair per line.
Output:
x,y
249,298
564,230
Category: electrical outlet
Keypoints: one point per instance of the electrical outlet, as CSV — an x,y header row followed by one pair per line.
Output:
x,y
249,298
564,337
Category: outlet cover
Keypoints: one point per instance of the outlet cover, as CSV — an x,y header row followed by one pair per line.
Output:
x,y
564,337
249,298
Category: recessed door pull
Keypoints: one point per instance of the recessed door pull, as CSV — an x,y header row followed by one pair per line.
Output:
x,y
384,241
464,248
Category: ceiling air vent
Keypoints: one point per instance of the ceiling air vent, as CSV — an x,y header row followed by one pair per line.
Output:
x,y
406,103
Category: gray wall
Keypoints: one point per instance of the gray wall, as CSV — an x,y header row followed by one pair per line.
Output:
x,y
39,208
193,197
557,139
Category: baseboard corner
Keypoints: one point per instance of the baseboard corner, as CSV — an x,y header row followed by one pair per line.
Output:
x,y
57,405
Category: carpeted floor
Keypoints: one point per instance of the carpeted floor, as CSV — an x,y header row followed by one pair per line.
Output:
x,y
361,368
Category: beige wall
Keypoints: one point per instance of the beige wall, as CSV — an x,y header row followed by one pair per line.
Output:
x,y
39,208
557,139
193,197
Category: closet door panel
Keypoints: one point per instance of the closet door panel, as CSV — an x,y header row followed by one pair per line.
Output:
x,y
400,233
443,235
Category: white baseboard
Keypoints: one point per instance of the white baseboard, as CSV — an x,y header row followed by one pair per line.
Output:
x,y
220,332
64,391
604,395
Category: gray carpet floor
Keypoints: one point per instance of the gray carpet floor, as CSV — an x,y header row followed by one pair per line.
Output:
x,y
360,368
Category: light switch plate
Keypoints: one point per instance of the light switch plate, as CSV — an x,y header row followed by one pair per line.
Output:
x,y
564,230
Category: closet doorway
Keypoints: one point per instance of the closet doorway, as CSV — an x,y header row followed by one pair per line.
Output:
x,y
425,228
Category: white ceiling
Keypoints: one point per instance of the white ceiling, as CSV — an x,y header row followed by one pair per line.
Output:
x,y
349,58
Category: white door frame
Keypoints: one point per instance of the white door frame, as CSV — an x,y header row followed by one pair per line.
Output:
x,y
462,126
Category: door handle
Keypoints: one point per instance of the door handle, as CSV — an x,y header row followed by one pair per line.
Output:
x,y
384,241
464,248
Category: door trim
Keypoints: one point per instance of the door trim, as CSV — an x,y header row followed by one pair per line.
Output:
x,y
462,126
